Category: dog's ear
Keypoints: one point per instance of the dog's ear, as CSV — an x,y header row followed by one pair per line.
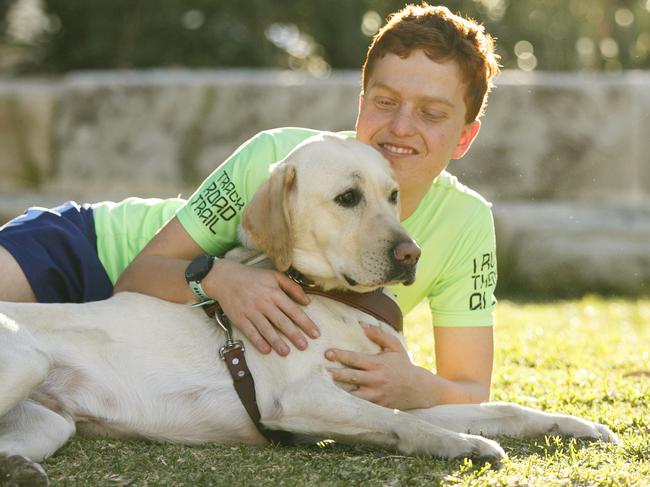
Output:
x,y
266,217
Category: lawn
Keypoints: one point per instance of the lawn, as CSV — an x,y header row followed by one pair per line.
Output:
x,y
589,358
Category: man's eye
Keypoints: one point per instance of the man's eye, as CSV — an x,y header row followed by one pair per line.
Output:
x,y
394,196
384,102
433,117
349,199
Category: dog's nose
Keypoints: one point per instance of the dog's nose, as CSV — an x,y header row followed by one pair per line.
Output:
x,y
407,252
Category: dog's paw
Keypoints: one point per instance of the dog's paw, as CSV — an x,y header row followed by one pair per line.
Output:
x,y
451,445
580,428
606,435
485,448
472,446
20,471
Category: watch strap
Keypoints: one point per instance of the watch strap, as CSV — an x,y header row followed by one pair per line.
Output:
x,y
195,284
198,291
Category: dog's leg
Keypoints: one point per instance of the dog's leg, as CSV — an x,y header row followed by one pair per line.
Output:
x,y
17,470
22,365
509,419
32,430
317,407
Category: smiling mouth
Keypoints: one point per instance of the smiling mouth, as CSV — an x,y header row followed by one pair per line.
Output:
x,y
399,150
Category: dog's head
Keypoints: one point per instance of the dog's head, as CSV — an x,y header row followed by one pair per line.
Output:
x,y
330,209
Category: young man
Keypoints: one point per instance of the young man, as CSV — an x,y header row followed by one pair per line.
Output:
x,y
425,82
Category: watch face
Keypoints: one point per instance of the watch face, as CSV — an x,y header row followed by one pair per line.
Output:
x,y
199,268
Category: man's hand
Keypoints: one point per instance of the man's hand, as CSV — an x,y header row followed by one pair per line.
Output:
x,y
263,304
388,379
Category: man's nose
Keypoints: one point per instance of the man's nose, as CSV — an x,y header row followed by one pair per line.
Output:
x,y
402,124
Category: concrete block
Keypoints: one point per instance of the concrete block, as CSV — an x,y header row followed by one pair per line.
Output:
x,y
130,131
245,105
642,133
557,137
568,249
27,110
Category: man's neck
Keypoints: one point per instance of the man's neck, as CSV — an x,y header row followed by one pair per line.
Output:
x,y
409,201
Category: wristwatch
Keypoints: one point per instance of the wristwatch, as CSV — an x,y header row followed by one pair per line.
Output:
x,y
195,273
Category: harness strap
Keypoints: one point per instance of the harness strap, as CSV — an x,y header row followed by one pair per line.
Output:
x,y
375,303
242,379
243,382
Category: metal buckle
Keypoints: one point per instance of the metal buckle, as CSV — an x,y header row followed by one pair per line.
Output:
x,y
200,304
230,346
298,278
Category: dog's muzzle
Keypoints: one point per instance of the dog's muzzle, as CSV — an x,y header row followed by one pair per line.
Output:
x,y
404,256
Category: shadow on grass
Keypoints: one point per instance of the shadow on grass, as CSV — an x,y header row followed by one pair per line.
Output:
x,y
112,462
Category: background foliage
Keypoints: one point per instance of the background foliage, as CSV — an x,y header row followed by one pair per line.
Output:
x,y
54,36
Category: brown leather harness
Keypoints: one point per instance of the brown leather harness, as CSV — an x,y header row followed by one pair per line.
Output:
x,y
375,303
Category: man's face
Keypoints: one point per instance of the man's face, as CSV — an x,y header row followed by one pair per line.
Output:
x,y
413,112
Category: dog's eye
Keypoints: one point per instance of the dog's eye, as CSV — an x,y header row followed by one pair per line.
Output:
x,y
349,199
394,196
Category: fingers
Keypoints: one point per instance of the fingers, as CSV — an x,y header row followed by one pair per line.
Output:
x,y
292,288
287,327
351,359
262,304
254,336
368,384
259,330
298,319
271,336
350,376
295,313
385,340
287,318
367,394
266,325
266,332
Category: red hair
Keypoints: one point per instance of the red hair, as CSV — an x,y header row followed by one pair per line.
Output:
x,y
442,36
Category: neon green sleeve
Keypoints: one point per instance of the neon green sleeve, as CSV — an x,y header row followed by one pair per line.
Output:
x,y
124,228
213,212
464,296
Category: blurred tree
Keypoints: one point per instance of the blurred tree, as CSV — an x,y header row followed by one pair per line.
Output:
x,y
51,36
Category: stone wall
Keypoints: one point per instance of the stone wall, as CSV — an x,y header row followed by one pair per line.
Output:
x,y
565,158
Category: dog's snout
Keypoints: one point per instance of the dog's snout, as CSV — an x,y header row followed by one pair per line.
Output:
x,y
407,252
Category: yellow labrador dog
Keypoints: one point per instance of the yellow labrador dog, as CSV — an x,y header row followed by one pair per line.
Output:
x,y
136,366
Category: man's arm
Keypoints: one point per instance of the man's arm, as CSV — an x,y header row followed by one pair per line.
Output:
x,y
159,269
259,302
464,359
464,368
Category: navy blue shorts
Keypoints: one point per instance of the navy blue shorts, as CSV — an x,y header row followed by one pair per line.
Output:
x,y
57,250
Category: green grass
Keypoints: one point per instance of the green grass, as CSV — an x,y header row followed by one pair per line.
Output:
x,y
573,357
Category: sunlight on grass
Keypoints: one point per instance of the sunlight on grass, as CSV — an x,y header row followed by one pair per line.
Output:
x,y
590,358
419,336
593,334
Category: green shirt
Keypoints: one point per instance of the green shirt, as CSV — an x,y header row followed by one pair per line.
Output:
x,y
453,225
124,228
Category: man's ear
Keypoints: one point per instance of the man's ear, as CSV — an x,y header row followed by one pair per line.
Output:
x,y
467,136
266,217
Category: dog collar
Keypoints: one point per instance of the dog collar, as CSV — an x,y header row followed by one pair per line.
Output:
x,y
298,277
376,303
